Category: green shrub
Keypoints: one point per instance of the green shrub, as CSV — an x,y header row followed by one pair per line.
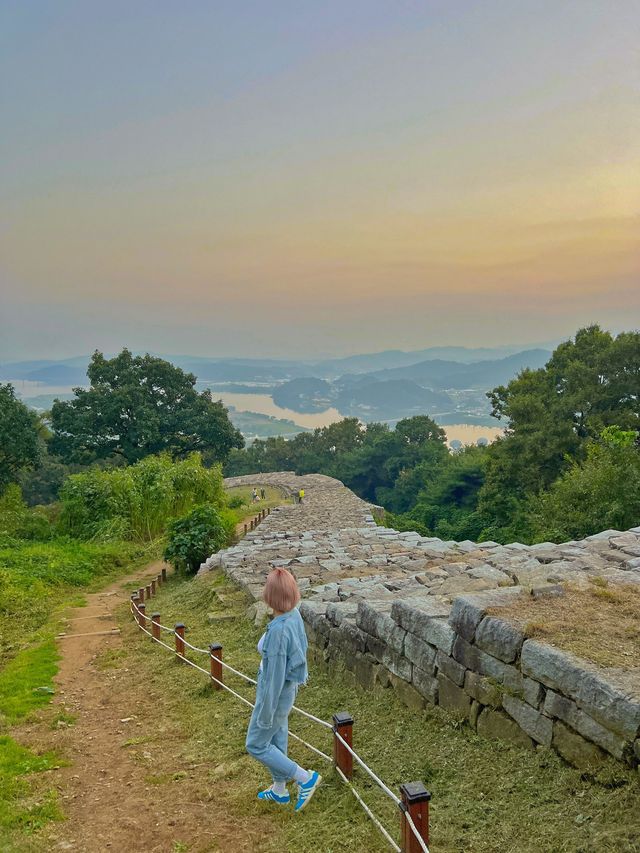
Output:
x,y
139,501
18,520
196,536
235,501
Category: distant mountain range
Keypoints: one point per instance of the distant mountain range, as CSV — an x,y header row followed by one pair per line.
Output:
x,y
382,386
437,373
390,359
451,361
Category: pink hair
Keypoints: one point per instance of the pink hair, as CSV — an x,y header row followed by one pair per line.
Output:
x,y
281,591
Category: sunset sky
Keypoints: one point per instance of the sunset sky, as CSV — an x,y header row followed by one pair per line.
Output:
x,y
315,178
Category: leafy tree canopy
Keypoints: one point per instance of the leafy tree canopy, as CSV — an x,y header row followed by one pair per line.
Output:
x,y
19,437
602,492
589,383
371,459
137,406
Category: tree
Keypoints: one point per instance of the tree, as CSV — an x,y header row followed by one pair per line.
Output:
x,y
137,406
447,503
19,437
589,383
195,537
603,491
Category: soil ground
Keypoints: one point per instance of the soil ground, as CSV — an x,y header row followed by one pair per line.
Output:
x,y
105,791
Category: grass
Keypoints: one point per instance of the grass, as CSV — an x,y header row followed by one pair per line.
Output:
x,y
273,497
17,810
600,623
487,796
37,578
26,682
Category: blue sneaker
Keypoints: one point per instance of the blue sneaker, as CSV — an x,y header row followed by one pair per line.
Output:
x,y
306,791
271,796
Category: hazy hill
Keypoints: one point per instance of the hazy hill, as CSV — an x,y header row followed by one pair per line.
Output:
x,y
390,359
390,399
307,394
438,373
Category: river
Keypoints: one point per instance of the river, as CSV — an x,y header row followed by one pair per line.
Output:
x,y
264,405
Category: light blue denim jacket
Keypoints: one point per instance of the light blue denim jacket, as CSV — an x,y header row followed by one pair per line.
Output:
x,y
284,659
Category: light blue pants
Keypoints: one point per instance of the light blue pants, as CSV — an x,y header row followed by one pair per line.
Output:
x,y
269,746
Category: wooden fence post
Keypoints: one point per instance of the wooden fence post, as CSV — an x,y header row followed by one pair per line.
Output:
x,y
245,530
342,758
141,619
415,801
180,639
148,591
164,575
215,651
153,587
141,594
155,626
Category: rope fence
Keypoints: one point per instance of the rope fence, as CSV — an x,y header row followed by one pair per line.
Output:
x,y
414,799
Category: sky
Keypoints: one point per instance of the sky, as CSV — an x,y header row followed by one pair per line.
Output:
x,y
305,179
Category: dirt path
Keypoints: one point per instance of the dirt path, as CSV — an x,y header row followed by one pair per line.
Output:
x,y
108,792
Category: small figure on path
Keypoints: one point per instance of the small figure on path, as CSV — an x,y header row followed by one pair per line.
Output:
x,y
283,669
254,496
263,494
300,496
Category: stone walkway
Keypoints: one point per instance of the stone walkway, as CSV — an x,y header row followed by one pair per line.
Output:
x,y
338,553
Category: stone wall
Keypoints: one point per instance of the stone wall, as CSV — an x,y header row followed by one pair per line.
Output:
x,y
409,612
481,667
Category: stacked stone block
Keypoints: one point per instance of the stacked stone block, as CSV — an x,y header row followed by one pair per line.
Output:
x,y
481,667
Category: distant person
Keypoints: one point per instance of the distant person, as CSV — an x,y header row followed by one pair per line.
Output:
x,y
283,669
254,496
263,494
300,496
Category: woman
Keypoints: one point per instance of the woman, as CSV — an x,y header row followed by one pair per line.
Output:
x,y
283,669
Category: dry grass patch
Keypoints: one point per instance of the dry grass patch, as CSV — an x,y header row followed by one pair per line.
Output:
x,y
600,623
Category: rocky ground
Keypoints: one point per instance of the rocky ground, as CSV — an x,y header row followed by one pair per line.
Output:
x,y
338,553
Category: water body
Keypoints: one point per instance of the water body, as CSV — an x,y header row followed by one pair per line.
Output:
x,y
264,405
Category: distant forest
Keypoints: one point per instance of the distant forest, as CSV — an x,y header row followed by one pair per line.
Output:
x,y
568,464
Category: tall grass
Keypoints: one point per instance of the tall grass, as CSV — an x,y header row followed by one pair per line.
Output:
x,y
36,577
139,501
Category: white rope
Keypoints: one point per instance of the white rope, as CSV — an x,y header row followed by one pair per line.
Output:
x,y
154,639
311,717
195,648
367,769
368,811
312,748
